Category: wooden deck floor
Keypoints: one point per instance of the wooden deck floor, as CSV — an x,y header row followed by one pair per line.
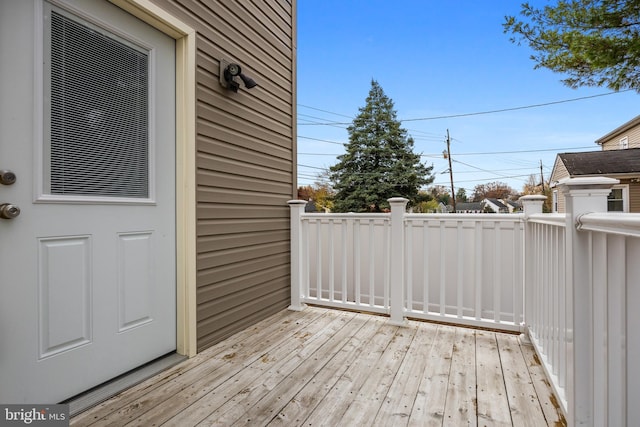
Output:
x,y
336,368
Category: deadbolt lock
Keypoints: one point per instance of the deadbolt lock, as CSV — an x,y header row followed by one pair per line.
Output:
x,y
7,177
9,211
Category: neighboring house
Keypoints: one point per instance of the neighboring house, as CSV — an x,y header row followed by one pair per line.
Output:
x,y
156,228
623,137
310,207
494,205
442,208
469,207
619,158
512,206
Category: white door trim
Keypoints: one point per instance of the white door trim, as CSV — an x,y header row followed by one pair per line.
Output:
x,y
185,38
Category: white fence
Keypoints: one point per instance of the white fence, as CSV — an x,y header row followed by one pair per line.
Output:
x,y
582,290
462,268
570,281
345,261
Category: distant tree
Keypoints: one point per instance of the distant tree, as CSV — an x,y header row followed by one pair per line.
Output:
x,y
595,42
461,195
323,197
440,193
429,206
534,186
320,194
305,192
493,190
379,162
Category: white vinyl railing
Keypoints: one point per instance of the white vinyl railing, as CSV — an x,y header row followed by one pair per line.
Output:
x,y
613,249
582,289
345,261
570,282
546,300
465,268
462,268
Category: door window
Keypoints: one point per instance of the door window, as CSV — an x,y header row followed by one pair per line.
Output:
x,y
97,120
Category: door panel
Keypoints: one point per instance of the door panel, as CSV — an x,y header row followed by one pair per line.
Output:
x,y
87,285
64,294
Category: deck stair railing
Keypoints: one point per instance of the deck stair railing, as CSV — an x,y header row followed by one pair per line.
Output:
x,y
570,282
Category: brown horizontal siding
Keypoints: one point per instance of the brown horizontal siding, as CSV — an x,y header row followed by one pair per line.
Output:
x,y
634,197
219,290
232,226
632,134
207,277
208,178
220,326
213,163
245,161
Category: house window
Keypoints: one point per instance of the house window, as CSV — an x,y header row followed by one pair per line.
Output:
x,y
555,201
618,199
624,143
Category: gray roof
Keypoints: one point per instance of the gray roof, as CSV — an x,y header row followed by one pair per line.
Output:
x,y
498,203
608,162
468,206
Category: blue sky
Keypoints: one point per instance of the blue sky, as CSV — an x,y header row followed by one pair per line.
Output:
x,y
437,58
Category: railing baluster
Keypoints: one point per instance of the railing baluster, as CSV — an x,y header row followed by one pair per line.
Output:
x,y
425,266
343,239
387,263
460,266
598,253
409,265
331,257
443,270
319,287
616,329
632,338
372,262
497,277
479,259
356,261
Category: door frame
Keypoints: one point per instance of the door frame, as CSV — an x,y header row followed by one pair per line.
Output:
x,y
185,38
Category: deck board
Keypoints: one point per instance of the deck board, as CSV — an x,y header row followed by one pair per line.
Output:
x,y
493,405
336,368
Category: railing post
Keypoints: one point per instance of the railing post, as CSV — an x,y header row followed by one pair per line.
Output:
x,y
531,204
582,195
397,309
297,209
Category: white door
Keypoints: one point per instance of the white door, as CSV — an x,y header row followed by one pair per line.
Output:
x,y
87,125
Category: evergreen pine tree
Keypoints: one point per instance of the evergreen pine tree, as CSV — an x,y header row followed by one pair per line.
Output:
x,y
379,162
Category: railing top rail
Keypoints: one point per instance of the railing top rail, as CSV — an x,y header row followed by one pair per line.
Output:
x,y
557,219
467,216
626,224
349,215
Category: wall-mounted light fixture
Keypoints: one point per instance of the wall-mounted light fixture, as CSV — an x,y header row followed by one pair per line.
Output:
x,y
228,72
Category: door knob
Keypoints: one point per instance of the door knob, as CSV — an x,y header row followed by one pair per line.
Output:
x,y
7,177
9,211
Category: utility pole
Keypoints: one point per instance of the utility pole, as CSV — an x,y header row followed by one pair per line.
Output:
x,y
541,177
448,156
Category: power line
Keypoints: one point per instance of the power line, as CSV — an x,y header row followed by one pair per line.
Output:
x,y
502,110
321,140
324,111
513,152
